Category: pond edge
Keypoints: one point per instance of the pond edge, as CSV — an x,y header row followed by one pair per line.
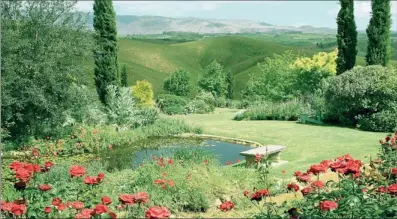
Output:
x,y
221,138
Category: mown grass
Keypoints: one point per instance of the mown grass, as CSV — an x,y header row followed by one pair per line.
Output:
x,y
306,144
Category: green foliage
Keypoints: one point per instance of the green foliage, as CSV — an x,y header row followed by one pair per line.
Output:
x,y
143,92
43,43
221,102
178,84
383,121
121,108
310,72
168,127
360,92
378,32
290,111
276,80
230,85
214,80
207,97
171,104
105,54
124,77
199,106
346,37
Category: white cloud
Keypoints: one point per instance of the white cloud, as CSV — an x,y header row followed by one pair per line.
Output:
x,y
362,9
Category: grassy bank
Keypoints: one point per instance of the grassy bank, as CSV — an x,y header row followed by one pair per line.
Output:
x,y
306,144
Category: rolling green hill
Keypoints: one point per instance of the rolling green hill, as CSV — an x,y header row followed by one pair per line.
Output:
x,y
154,60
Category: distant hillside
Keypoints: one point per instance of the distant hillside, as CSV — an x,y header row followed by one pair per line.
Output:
x,y
129,25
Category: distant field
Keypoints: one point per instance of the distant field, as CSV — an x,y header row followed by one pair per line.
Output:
x,y
153,58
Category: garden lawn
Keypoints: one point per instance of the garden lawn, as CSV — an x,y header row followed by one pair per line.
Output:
x,y
305,144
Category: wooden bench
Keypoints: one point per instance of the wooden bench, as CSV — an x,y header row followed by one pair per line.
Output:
x,y
272,152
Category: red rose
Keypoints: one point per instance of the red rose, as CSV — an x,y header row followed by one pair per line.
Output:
x,y
258,158
127,199
328,205
77,171
394,171
16,165
77,205
326,163
171,183
101,176
159,181
293,186
246,193
392,189
305,178
48,164
238,160
47,210
387,138
170,161
297,173
61,207
88,212
205,162
56,201
36,168
44,187
155,212
106,200
35,152
100,209
154,157
90,180
317,168
18,209
318,184
226,206
6,206
141,197
381,189
306,191
228,163
257,196
23,174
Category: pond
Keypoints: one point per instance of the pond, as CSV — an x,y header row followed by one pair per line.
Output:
x,y
128,157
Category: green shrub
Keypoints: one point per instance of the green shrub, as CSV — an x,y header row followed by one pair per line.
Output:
x,y
171,104
235,104
221,102
143,92
199,106
207,97
383,121
290,110
178,84
359,93
168,127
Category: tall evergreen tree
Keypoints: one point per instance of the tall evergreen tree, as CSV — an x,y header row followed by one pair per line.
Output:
x,y
230,85
105,54
124,78
346,37
378,32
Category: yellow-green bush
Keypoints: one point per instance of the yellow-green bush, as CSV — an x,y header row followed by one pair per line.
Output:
x,y
143,92
311,71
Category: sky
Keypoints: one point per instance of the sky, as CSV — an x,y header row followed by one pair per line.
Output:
x,y
283,13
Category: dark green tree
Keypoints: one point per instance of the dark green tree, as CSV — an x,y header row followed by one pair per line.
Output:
x,y
43,43
124,78
378,32
214,80
105,54
346,37
230,85
178,84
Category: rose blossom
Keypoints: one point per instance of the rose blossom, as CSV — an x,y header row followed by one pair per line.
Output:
x,y
328,205
226,206
155,212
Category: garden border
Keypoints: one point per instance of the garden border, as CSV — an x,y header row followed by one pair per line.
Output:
x,y
222,138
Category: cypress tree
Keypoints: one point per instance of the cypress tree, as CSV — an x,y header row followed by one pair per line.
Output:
x,y
346,37
124,76
105,54
378,32
230,85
